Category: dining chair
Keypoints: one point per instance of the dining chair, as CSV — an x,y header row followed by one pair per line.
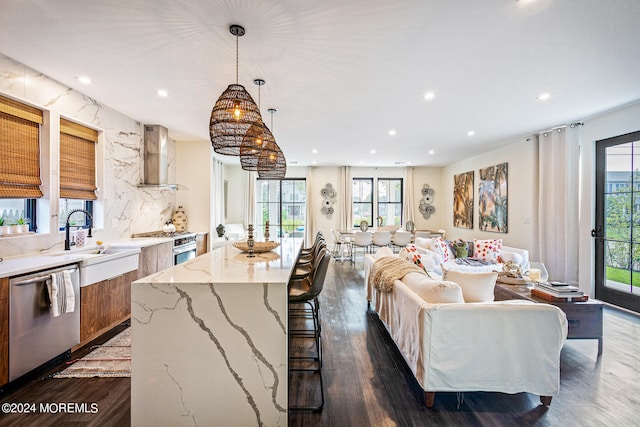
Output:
x,y
401,239
381,239
341,245
361,239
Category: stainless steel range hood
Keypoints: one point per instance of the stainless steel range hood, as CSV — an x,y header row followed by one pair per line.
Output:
x,y
156,159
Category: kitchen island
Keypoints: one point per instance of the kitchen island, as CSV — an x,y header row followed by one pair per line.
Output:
x,y
209,340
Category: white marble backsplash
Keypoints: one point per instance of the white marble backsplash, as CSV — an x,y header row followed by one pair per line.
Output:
x,y
122,208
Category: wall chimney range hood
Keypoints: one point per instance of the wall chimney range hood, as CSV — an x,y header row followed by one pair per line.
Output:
x,y
156,159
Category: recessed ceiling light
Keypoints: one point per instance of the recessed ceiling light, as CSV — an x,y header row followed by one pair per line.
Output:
x,y
392,132
431,151
471,133
361,162
314,151
544,96
429,95
84,80
314,162
373,151
162,93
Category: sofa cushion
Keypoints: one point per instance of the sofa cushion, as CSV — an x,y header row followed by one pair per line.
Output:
x,y
476,287
488,250
433,291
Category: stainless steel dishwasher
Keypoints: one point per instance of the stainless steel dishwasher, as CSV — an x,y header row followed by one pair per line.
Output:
x,y
35,336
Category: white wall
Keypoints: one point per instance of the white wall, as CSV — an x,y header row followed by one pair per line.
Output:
x,y
519,156
194,170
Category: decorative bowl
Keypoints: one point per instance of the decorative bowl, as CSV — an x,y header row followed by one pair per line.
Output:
x,y
257,246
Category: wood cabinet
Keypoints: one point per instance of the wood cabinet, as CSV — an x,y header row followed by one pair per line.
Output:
x,y
202,243
105,305
155,258
4,331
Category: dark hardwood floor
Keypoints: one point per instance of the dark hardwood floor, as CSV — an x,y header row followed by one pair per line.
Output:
x,y
367,383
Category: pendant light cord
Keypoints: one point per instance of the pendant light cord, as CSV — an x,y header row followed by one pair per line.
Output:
x,y
236,59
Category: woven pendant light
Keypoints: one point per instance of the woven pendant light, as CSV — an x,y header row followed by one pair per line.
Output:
x,y
255,140
233,114
271,161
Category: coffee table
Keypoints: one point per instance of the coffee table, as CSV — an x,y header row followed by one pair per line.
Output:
x,y
584,318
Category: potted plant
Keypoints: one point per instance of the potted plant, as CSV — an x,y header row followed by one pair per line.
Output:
x,y
22,225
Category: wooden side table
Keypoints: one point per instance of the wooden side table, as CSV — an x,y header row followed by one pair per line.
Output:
x,y
584,318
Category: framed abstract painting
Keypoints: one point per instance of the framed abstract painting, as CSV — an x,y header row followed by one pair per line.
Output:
x,y
492,191
463,200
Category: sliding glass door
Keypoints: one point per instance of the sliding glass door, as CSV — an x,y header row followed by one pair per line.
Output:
x,y
617,232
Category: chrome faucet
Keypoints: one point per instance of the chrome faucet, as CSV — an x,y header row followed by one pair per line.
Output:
x,y
67,240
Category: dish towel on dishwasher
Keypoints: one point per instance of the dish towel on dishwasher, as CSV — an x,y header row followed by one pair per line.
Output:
x,y
61,293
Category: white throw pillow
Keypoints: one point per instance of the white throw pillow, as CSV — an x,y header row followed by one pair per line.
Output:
x,y
383,251
424,242
476,287
433,291
507,256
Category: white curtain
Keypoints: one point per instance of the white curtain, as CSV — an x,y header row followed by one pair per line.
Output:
x,y
250,201
309,233
408,196
217,190
557,203
345,198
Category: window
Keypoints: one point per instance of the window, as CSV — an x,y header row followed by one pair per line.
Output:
x,y
77,172
283,204
20,167
390,201
362,196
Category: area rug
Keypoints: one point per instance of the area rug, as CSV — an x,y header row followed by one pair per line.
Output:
x,y
112,359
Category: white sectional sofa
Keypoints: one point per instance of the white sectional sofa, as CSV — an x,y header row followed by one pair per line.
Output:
x,y
506,346
428,247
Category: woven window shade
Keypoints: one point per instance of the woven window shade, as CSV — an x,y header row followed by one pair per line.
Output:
x,y
77,161
19,150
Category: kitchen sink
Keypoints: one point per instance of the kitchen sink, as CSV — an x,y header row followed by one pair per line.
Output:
x,y
112,262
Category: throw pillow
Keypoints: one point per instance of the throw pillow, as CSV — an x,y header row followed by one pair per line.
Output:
x,y
487,250
383,251
441,244
410,253
460,248
511,256
424,242
433,291
476,287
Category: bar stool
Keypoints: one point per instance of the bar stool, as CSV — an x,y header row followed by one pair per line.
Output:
x,y
305,291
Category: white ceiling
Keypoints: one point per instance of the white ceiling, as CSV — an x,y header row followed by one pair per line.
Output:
x,y
342,73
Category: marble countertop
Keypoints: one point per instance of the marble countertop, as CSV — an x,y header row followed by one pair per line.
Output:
x,y
24,264
230,265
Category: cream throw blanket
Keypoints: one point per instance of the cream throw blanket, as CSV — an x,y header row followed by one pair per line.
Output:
x,y
388,269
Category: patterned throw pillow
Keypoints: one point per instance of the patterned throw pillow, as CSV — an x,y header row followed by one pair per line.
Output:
x,y
487,250
410,253
442,246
